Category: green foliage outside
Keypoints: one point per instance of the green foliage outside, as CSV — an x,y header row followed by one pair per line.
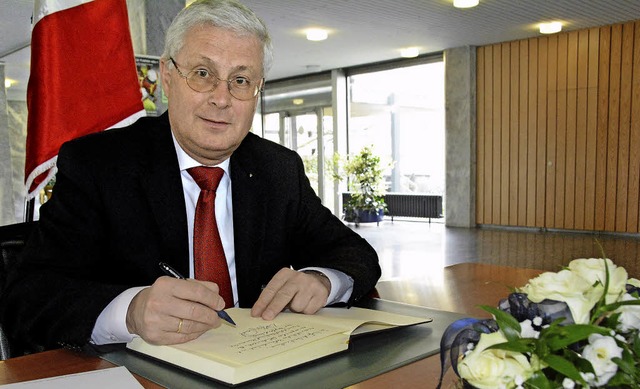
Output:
x,y
365,182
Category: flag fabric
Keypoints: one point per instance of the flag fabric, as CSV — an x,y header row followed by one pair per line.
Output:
x,y
83,79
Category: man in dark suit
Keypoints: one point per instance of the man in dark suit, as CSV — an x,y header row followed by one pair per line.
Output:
x,y
124,201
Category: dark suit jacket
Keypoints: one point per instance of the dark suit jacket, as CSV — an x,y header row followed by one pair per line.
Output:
x,y
118,209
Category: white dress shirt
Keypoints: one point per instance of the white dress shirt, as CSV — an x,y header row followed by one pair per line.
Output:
x,y
111,325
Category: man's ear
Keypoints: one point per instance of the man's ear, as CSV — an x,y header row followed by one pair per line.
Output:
x,y
165,77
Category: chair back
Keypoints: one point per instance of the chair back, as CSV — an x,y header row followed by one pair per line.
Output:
x,y
12,240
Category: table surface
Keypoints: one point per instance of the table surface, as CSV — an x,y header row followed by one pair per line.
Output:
x,y
464,287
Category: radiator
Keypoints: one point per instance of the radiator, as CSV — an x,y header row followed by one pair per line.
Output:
x,y
409,205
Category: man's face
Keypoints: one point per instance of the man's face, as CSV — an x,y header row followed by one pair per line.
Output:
x,y
210,126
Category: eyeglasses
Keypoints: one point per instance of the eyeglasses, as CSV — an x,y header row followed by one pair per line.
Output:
x,y
202,80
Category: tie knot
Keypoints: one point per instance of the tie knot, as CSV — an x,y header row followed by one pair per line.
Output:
x,y
207,178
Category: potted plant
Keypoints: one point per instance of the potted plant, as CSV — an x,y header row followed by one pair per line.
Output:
x,y
365,182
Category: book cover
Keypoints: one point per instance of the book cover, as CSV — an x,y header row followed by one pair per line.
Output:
x,y
255,347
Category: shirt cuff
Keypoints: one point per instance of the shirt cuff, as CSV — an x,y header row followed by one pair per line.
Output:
x,y
111,326
341,284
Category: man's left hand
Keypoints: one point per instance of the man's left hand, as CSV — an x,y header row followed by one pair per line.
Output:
x,y
298,291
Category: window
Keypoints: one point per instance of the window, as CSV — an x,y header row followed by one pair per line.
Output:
x,y
400,112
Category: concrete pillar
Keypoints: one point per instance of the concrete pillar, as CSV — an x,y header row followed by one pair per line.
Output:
x,y
158,17
460,136
148,21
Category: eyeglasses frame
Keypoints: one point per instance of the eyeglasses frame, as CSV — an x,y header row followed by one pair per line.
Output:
x,y
258,88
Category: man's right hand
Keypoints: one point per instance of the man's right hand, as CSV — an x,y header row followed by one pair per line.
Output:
x,y
174,311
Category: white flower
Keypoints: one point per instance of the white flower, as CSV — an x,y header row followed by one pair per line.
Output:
x,y
600,350
629,315
568,383
565,286
490,369
633,281
593,271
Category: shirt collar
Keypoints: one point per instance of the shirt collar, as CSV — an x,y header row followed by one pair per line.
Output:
x,y
185,161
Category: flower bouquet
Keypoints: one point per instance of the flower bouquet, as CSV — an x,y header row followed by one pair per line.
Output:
x,y
578,327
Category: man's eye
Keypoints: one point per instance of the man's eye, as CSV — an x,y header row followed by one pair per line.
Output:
x,y
201,73
241,82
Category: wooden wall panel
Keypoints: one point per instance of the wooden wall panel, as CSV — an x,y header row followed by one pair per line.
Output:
x,y
592,125
505,141
601,129
552,130
488,134
532,132
496,130
581,129
570,146
558,131
480,159
622,190
561,124
496,133
523,133
514,138
613,127
541,133
634,137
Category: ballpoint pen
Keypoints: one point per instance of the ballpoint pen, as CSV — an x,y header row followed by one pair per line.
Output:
x,y
173,273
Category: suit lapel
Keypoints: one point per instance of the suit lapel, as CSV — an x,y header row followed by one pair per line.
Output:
x,y
249,210
163,187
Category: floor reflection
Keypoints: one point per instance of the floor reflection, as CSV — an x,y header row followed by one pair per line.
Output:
x,y
413,254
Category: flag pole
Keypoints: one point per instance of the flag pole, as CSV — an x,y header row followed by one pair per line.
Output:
x,y
29,205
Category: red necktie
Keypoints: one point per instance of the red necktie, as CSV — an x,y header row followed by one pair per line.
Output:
x,y
210,263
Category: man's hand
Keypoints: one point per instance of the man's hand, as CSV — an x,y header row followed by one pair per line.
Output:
x,y
299,291
174,311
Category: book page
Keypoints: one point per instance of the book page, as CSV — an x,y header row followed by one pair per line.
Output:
x,y
254,338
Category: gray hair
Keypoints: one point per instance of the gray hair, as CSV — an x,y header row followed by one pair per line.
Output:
x,y
227,14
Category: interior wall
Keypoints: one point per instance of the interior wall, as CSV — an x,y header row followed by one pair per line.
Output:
x,y
558,131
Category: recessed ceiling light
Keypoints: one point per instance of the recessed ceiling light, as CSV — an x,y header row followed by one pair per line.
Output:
x,y
550,28
298,101
409,52
465,3
317,34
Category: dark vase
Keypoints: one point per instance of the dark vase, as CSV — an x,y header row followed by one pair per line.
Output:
x,y
370,217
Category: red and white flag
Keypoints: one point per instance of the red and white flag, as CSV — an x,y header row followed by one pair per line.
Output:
x,y
83,79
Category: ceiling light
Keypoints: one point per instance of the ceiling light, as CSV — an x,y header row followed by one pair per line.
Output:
x,y
298,101
317,34
8,82
465,3
409,52
550,28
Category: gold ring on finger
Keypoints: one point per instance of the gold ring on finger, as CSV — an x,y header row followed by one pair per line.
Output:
x,y
179,327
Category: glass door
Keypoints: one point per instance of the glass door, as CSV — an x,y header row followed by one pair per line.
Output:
x,y
310,134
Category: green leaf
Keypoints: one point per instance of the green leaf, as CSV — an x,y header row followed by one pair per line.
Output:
x,y
538,381
519,345
614,306
626,366
562,337
507,323
563,366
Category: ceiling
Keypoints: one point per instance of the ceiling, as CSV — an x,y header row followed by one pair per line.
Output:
x,y
361,31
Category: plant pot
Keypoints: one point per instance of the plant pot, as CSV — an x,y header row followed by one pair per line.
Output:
x,y
370,217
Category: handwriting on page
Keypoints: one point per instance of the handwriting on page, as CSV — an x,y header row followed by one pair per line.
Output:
x,y
276,336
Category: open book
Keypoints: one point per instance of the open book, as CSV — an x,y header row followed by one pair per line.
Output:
x,y
255,347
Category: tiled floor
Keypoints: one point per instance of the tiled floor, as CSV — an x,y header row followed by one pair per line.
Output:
x,y
413,253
